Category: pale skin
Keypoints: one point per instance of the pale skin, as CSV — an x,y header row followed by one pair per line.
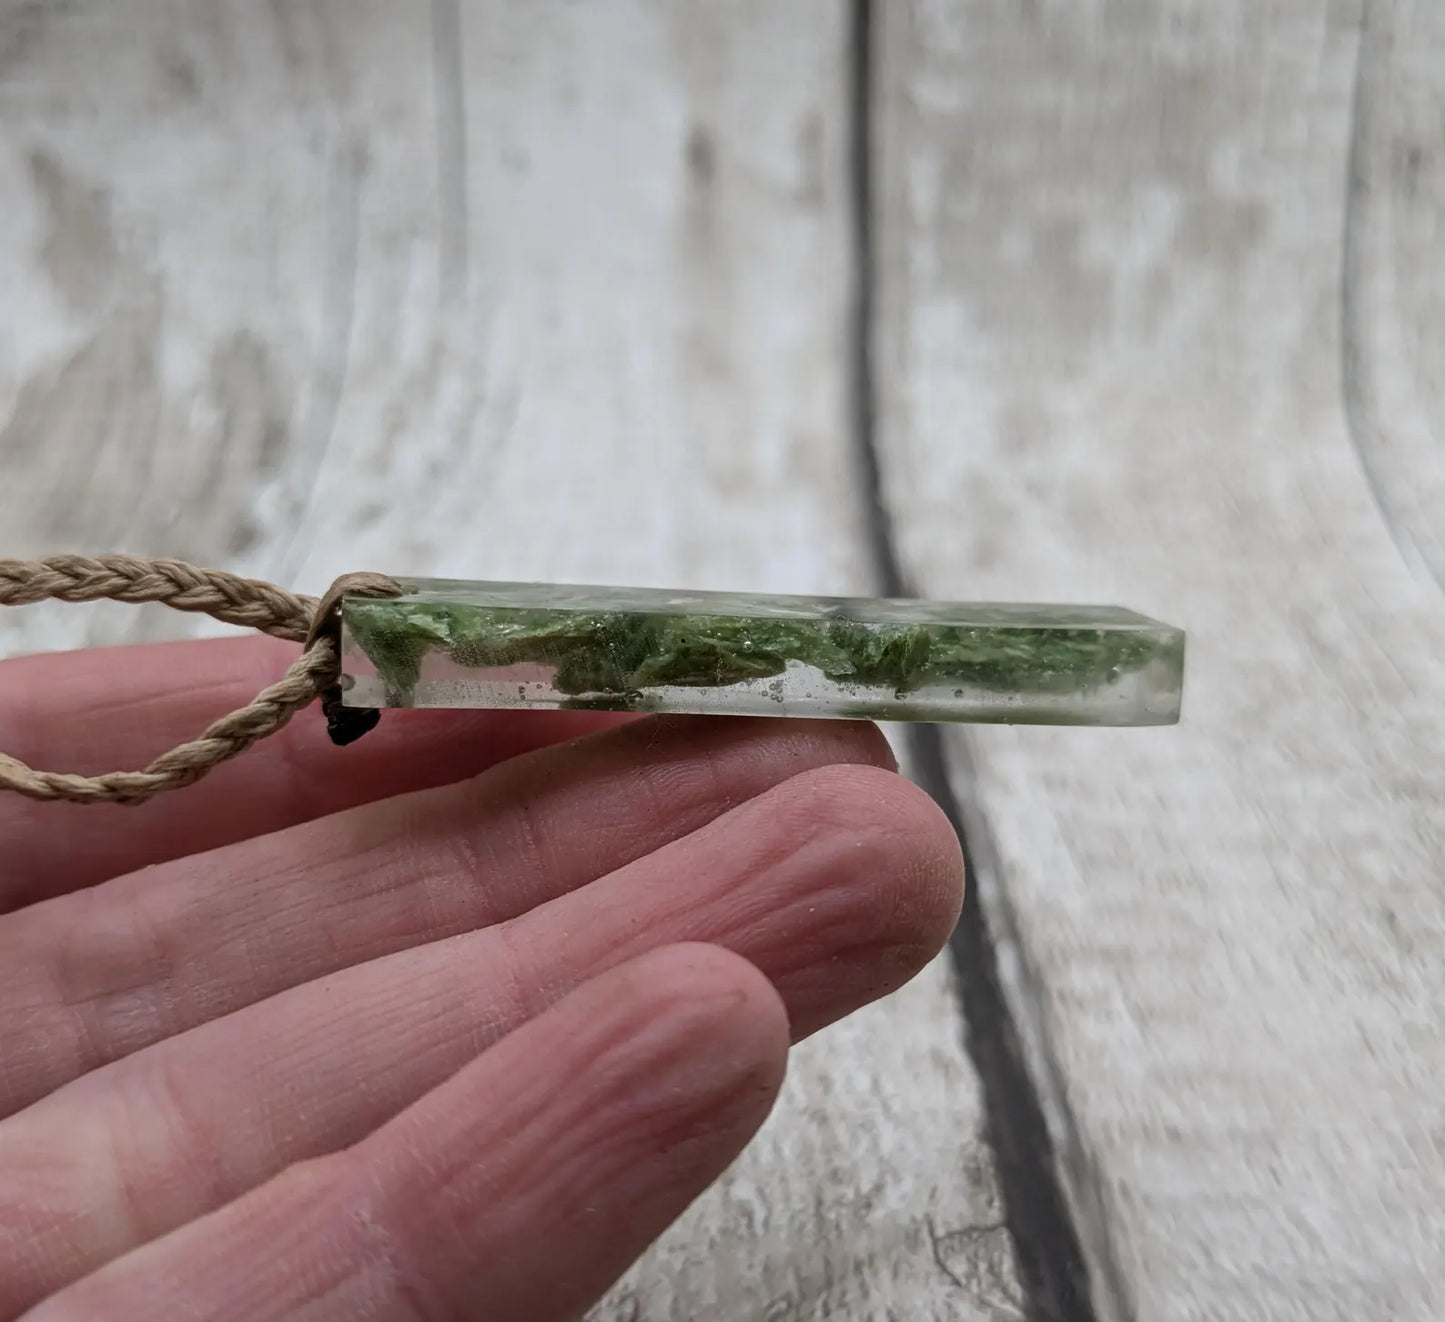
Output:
x,y
367,1034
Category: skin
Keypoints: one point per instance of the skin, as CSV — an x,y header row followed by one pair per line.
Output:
x,y
367,1033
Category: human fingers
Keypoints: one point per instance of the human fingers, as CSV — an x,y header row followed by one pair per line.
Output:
x,y
116,708
109,971
516,1191
839,885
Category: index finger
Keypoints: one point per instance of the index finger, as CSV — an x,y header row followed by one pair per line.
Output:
x,y
117,708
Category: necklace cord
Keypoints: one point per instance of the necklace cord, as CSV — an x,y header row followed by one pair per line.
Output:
x,y
251,603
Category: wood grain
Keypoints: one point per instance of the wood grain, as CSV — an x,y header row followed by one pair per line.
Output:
x,y
488,289
1160,290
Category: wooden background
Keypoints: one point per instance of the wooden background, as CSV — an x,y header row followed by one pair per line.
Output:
x,y
1134,300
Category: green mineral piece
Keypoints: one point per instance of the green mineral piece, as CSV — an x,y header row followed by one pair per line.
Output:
x,y
456,644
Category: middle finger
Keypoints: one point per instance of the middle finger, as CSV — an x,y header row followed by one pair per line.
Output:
x,y
98,975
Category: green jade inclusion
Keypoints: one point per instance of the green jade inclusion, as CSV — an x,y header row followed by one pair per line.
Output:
x,y
455,644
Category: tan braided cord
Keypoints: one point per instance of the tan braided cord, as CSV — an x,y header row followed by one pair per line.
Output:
x,y
227,597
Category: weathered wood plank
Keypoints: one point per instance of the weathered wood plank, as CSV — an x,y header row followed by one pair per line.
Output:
x,y
494,289
1115,365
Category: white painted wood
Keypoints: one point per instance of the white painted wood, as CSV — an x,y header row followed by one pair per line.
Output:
x,y
494,289
1115,356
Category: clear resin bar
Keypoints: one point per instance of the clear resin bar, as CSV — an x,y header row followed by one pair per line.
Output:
x,y
455,644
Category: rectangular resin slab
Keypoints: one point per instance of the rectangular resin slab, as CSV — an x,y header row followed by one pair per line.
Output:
x,y
454,644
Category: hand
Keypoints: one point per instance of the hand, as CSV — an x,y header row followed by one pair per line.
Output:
x,y
450,1024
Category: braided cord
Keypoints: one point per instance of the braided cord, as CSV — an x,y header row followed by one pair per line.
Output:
x,y
234,600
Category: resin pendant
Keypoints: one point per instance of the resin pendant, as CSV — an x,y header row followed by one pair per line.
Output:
x,y
454,644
